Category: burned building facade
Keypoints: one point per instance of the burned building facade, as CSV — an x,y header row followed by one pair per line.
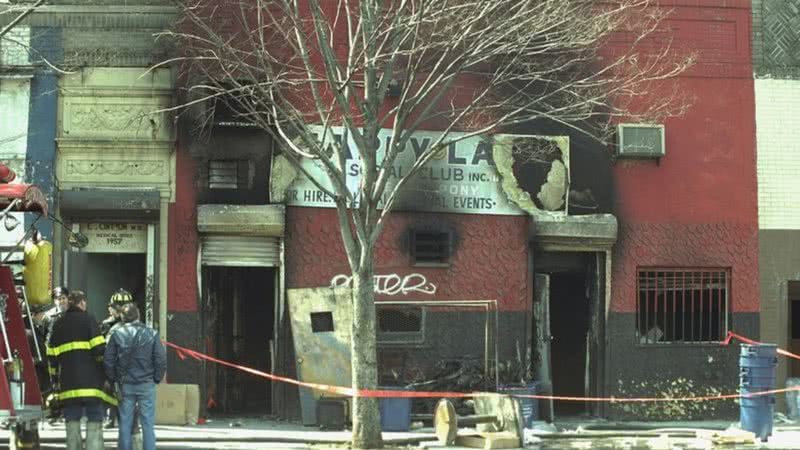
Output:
x,y
563,272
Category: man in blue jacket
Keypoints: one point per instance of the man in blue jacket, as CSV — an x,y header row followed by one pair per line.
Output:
x,y
136,359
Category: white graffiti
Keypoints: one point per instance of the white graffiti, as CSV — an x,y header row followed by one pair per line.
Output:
x,y
392,284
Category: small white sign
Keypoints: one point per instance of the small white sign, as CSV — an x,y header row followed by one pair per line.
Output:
x,y
115,237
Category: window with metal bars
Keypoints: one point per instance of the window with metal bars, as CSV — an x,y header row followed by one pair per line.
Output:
x,y
430,247
677,305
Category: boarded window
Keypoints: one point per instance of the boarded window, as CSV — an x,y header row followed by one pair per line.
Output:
x,y
682,305
430,247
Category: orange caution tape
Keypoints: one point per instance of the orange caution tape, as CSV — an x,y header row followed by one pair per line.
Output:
x,y
732,335
184,352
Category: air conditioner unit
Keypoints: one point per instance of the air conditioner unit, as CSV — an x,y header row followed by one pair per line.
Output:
x,y
638,140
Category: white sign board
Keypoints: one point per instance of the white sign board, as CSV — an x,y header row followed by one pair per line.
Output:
x,y
461,178
115,237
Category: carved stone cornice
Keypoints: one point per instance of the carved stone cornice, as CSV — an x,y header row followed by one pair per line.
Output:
x,y
114,117
116,104
83,167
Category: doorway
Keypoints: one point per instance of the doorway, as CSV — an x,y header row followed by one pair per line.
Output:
x,y
794,327
569,328
238,325
102,274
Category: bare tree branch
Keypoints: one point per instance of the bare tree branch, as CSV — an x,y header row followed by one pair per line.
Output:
x,y
325,78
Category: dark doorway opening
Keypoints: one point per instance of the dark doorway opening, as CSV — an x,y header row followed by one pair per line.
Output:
x,y
569,327
794,326
239,308
102,274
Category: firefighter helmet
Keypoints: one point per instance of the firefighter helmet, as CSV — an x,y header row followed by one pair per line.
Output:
x,y
120,298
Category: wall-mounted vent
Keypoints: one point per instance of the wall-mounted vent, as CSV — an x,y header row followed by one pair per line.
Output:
x,y
640,140
430,247
223,174
228,174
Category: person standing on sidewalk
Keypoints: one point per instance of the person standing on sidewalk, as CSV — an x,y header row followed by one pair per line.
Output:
x,y
136,359
111,323
75,350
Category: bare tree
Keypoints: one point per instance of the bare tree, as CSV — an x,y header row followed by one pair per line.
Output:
x,y
17,14
302,69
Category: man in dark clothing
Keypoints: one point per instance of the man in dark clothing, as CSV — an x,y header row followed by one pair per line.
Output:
x,y
137,360
114,320
75,350
60,294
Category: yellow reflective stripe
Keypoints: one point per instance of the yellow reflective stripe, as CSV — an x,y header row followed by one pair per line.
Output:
x,y
99,340
88,392
76,345
52,370
70,346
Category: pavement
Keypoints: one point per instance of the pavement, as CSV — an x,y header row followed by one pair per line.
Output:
x,y
260,433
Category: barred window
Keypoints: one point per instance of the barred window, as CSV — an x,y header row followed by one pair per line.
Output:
x,y
682,305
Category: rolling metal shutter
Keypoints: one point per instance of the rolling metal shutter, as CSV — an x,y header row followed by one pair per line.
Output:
x,y
241,251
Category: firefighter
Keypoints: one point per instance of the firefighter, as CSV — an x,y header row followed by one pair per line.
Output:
x,y
59,294
75,350
114,320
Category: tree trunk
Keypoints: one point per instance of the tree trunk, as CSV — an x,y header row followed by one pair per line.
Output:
x,y
366,416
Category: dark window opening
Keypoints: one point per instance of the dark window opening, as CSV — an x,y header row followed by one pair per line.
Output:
x,y
321,322
399,320
682,305
430,247
232,111
795,318
400,324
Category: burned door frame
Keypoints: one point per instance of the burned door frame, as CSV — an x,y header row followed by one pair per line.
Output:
x,y
593,267
590,234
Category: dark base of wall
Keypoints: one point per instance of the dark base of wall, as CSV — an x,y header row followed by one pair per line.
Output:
x,y
672,369
183,329
452,337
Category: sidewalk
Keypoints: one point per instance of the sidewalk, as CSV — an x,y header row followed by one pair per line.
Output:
x,y
261,433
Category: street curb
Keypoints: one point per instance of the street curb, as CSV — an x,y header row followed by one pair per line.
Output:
x,y
257,439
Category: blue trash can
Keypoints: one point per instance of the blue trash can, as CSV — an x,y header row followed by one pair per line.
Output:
x,y
529,406
757,373
395,411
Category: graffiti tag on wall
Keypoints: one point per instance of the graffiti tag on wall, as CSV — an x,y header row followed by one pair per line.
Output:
x,y
392,284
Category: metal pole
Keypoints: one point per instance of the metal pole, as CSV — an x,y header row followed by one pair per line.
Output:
x,y
3,301
30,320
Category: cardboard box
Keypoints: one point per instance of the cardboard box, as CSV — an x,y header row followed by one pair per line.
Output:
x,y
177,404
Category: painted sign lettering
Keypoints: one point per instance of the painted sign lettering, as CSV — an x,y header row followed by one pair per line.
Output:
x,y
115,237
460,178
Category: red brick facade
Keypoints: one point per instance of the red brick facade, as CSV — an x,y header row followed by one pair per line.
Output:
x,y
490,258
